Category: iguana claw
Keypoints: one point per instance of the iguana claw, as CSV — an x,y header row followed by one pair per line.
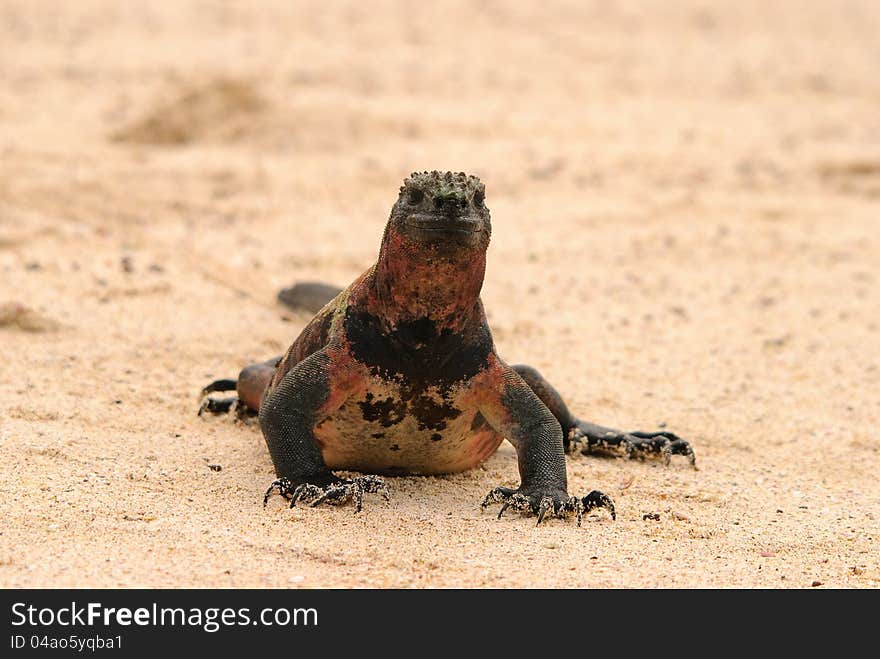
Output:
x,y
338,492
557,504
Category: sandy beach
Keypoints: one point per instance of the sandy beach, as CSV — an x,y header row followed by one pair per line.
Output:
x,y
685,201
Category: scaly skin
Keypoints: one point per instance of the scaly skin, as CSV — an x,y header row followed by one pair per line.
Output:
x,y
398,374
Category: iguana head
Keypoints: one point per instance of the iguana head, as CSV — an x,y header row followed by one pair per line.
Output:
x,y
442,213
433,254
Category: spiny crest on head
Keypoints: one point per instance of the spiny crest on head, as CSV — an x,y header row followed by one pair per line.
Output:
x,y
444,183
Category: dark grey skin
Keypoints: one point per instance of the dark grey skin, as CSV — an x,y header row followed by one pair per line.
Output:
x,y
398,374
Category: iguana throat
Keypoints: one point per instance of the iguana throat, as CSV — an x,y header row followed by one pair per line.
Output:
x,y
433,254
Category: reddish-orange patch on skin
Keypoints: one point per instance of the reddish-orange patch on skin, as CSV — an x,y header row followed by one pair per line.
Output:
x,y
489,388
344,375
348,443
484,443
411,282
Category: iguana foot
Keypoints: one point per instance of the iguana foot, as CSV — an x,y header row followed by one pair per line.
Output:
x,y
337,492
217,405
224,405
636,444
558,503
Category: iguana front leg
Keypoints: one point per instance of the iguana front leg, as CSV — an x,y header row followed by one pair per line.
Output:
x,y
288,415
513,410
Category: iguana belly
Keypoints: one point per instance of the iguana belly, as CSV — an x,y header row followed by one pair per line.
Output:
x,y
390,429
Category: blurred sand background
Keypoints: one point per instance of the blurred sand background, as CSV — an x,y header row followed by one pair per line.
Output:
x,y
686,210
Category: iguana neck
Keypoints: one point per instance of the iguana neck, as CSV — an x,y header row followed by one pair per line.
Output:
x,y
411,283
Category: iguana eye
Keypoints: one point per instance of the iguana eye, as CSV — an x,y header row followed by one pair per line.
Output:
x,y
479,198
415,196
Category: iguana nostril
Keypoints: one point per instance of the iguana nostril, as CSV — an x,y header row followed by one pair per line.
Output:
x,y
449,203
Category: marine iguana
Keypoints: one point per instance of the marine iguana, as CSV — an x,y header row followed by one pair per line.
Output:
x,y
398,375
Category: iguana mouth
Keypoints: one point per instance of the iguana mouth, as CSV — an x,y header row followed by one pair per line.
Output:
x,y
442,224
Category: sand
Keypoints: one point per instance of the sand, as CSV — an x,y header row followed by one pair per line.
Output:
x,y
685,202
